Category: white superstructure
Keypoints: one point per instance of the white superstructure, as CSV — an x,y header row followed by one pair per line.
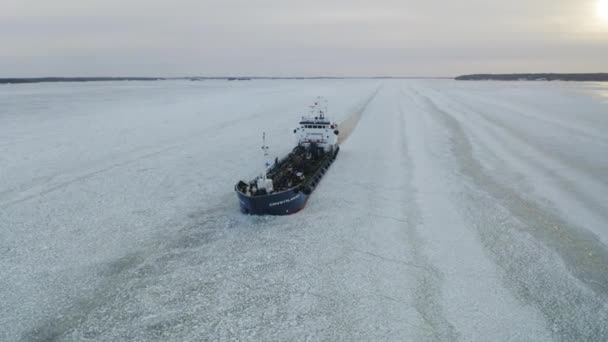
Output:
x,y
317,128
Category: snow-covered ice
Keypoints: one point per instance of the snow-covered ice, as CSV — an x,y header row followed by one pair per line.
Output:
x,y
455,211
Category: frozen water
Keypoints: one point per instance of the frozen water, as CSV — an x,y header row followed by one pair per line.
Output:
x,y
455,211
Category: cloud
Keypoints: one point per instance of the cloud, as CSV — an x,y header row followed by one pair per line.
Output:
x,y
228,37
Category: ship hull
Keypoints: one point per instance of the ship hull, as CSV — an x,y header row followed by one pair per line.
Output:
x,y
280,203
288,201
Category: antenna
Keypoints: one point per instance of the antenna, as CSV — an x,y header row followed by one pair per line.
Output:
x,y
265,149
321,106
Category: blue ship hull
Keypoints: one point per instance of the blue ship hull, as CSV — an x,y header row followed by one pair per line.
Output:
x,y
287,201
281,203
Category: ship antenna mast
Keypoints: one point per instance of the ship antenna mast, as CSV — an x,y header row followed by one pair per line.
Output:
x,y
265,149
321,107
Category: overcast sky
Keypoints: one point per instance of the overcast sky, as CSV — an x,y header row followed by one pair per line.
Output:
x,y
292,38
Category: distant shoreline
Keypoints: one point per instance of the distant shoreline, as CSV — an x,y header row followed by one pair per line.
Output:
x,y
589,77
17,80
27,80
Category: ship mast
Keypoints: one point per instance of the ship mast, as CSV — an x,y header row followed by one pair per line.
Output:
x,y
322,107
265,149
319,109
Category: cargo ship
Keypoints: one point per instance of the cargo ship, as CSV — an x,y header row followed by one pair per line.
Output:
x,y
284,186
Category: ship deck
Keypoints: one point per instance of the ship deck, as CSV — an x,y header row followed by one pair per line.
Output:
x,y
298,168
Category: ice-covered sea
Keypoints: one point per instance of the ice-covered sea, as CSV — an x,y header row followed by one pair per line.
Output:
x,y
455,211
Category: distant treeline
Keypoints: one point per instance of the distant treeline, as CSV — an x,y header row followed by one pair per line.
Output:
x,y
597,77
75,79
192,78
